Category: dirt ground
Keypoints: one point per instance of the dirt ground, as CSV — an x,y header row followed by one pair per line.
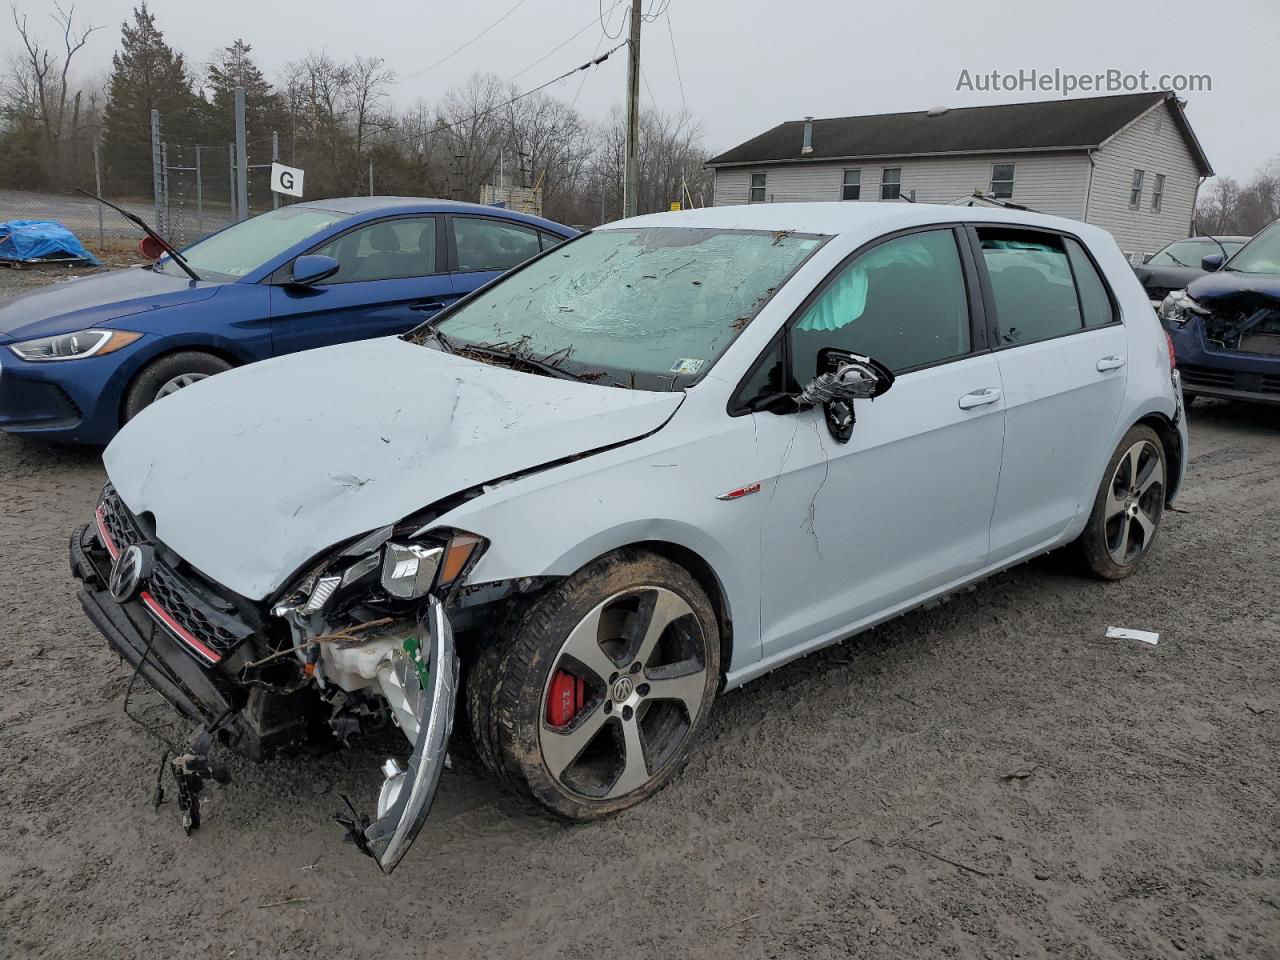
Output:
x,y
991,778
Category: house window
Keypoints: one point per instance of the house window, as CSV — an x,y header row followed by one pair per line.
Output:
x,y
757,189
852,186
1135,191
1157,194
890,183
1002,180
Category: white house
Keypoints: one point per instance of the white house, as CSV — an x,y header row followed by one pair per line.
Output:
x,y
1130,164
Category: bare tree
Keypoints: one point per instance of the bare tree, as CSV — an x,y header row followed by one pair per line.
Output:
x,y
43,81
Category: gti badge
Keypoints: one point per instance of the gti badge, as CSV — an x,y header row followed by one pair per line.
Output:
x,y
128,572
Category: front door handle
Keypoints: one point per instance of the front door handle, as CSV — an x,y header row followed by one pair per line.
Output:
x,y
431,304
979,398
1110,363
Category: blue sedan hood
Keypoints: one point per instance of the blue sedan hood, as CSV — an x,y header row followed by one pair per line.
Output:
x,y
1227,284
83,302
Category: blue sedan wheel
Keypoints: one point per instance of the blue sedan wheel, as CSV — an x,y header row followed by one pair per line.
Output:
x,y
168,375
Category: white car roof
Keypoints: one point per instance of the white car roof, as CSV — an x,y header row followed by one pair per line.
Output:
x,y
862,218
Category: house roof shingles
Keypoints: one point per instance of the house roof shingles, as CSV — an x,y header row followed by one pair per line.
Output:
x,y
1069,124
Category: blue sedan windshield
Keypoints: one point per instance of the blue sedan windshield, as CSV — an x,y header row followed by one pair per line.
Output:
x,y
245,247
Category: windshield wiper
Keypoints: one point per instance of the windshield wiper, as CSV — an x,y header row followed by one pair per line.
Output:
x,y
517,358
138,222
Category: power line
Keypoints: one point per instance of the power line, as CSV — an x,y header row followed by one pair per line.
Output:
x,y
506,103
553,50
604,22
453,53
676,57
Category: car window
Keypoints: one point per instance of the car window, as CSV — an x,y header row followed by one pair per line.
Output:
x,y
1031,279
1094,301
902,302
246,246
1184,253
1259,255
385,250
549,240
492,244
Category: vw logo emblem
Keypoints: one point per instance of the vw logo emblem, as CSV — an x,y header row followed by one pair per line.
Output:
x,y
623,687
128,572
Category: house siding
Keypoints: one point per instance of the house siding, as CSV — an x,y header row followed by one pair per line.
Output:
x,y
1154,144
1049,183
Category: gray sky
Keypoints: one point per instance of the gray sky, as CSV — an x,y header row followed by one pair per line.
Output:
x,y
748,64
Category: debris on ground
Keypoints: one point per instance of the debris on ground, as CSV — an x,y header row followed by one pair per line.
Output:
x,y
1123,633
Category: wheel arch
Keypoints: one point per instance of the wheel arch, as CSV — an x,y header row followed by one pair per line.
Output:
x,y
1171,441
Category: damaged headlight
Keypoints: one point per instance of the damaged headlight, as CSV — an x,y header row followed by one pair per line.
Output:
x,y
405,569
1179,307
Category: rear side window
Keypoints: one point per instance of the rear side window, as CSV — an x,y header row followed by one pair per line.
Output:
x,y
903,302
492,244
1094,302
1033,286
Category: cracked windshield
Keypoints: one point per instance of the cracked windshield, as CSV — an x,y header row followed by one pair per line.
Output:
x,y
638,302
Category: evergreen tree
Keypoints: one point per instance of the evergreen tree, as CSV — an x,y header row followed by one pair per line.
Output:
x,y
264,111
146,74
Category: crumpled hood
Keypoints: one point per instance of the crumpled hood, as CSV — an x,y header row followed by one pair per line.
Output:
x,y
1231,285
83,302
251,474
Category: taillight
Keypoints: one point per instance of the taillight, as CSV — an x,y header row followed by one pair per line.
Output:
x,y
1173,357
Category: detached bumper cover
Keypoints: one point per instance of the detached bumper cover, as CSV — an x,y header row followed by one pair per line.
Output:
x,y
429,682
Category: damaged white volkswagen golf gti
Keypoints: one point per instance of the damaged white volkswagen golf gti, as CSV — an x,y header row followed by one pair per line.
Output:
x,y
643,468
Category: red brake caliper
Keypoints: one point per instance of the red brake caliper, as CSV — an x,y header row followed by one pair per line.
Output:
x,y
565,698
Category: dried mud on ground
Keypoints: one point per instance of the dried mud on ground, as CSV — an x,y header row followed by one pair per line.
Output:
x,y
991,778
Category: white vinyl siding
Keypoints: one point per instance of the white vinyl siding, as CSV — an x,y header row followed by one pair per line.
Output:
x,y
1049,183
1154,144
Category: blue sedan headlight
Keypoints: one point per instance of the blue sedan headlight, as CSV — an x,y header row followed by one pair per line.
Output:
x,y
73,346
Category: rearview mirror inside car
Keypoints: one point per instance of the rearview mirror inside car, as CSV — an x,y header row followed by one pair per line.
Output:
x,y
1211,262
312,268
842,378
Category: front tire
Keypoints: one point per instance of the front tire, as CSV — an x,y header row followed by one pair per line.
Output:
x,y
635,643
167,375
1127,508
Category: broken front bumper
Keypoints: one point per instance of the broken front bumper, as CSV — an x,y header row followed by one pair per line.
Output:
x,y
420,682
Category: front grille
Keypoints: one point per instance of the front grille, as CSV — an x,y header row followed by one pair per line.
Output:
x,y
171,599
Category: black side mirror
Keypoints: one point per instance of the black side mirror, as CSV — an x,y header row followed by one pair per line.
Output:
x,y
312,268
842,378
1211,262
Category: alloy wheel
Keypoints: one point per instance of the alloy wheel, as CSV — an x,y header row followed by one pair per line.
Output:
x,y
1135,502
639,661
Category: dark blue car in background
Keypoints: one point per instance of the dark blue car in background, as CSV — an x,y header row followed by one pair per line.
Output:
x,y
1225,326
81,357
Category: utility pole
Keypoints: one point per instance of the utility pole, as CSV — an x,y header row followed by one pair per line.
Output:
x,y
631,164
242,155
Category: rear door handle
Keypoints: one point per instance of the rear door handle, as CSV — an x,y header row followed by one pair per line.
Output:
x,y
979,398
1110,363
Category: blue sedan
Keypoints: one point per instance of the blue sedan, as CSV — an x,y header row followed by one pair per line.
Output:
x,y
79,358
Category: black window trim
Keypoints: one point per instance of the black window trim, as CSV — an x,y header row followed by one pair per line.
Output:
x,y
453,247
284,273
979,327
988,293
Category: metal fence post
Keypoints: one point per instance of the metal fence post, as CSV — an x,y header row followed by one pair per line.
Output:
x,y
371,178
97,187
231,180
199,194
275,158
242,153
164,182
157,172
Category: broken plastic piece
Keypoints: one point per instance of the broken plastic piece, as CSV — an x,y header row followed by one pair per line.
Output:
x,y
406,795
1121,633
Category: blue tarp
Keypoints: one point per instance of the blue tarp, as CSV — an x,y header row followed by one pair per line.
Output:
x,y
40,239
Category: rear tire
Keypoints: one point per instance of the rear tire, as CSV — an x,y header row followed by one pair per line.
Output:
x,y
643,638
1127,508
167,375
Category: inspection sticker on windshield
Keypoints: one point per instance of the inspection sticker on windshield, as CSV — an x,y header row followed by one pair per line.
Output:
x,y
687,365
